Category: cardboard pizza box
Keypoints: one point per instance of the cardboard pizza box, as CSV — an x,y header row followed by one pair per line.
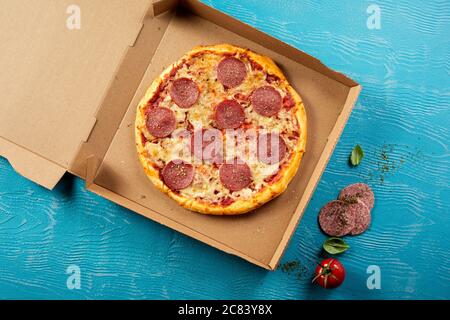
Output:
x,y
72,77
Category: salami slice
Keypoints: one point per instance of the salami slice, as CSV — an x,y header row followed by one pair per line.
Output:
x,y
231,72
160,122
235,176
184,92
229,114
358,191
206,145
266,101
337,218
177,174
271,148
362,217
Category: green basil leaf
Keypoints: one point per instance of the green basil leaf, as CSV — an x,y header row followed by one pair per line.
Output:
x,y
335,245
357,155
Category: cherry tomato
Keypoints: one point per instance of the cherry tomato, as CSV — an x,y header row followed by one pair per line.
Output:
x,y
330,273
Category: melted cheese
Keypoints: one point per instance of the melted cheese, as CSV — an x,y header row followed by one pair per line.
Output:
x,y
206,184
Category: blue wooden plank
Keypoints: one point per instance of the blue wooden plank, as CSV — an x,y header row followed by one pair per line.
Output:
x,y
401,120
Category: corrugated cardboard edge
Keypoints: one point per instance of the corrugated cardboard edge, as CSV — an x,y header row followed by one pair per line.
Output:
x,y
91,170
31,165
318,171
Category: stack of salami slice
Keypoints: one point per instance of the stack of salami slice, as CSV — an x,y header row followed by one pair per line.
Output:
x,y
350,214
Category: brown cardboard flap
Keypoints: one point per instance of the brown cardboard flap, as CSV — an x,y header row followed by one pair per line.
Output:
x,y
54,75
31,165
161,6
121,91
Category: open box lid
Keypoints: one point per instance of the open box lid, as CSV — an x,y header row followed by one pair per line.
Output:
x,y
58,61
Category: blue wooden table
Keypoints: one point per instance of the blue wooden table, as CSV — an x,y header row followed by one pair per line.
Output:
x,y
401,120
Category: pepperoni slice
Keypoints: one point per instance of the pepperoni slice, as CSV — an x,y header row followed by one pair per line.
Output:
x,y
231,72
362,218
358,191
229,114
235,176
160,122
271,148
206,144
184,92
177,174
266,101
337,218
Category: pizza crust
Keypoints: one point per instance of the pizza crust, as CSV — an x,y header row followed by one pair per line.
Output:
x,y
287,171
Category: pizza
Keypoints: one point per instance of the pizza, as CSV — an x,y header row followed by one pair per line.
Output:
x,y
221,131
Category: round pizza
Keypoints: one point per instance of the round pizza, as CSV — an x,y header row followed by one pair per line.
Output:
x,y
221,131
